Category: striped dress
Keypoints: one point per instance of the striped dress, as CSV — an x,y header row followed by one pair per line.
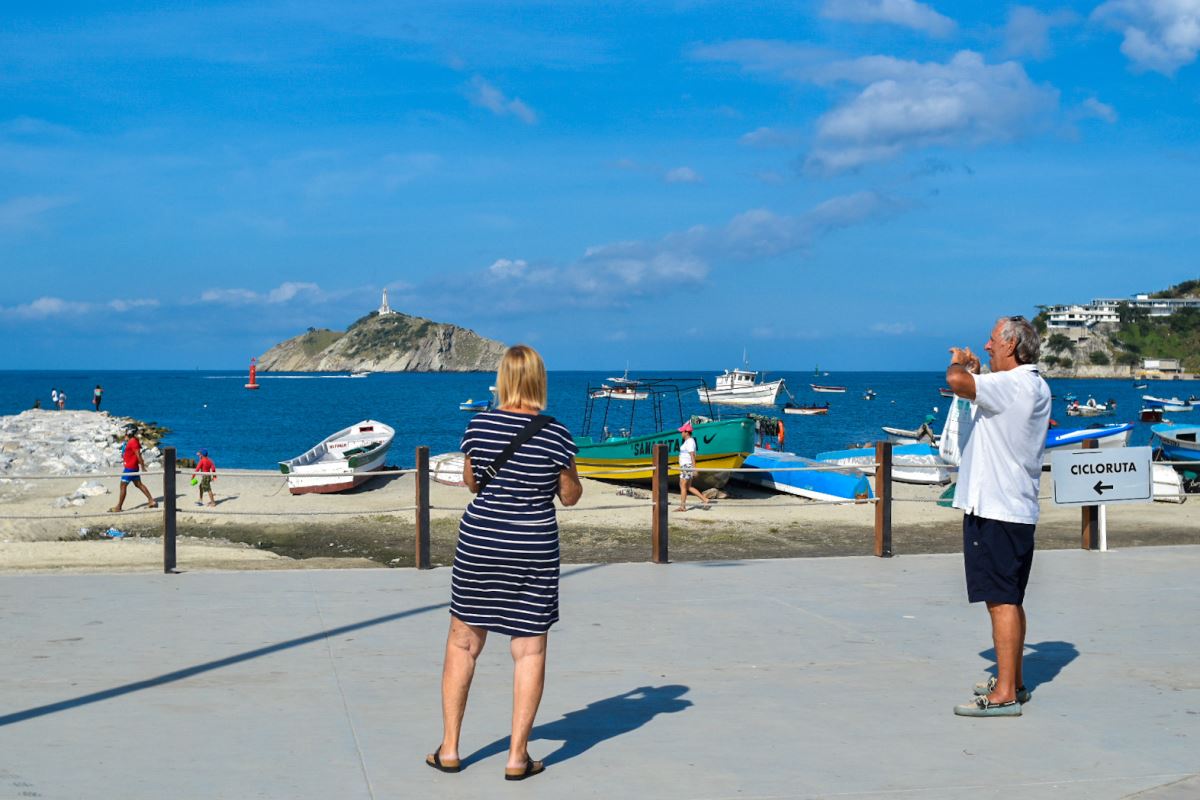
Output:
x,y
505,576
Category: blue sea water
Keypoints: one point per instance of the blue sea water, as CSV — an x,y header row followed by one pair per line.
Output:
x,y
291,412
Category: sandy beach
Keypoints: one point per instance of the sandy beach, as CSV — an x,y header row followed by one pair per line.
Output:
x,y
257,524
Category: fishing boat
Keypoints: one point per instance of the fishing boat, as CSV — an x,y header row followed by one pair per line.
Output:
x,y
447,468
341,460
627,454
1148,414
811,411
1178,442
741,387
946,391
816,387
1172,404
619,388
784,472
911,463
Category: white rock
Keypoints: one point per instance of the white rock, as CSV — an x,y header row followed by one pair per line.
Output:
x,y
78,501
91,489
60,502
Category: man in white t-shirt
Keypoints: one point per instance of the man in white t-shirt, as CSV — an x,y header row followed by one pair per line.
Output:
x,y
997,490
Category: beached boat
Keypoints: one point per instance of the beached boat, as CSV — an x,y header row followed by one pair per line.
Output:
x,y
1178,442
1167,484
924,433
447,468
810,411
720,444
341,461
774,470
1105,436
741,387
816,387
911,463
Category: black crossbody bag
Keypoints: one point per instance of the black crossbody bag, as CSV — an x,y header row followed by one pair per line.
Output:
x,y
528,432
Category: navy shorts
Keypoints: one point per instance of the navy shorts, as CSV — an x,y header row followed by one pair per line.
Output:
x,y
997,556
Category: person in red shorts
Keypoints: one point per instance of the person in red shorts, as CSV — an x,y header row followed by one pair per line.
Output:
x,y
131,457
207,471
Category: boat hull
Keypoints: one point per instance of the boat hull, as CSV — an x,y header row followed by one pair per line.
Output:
x,y
762,394
723,444
1178,442
911,463
828,389
769,473
341,461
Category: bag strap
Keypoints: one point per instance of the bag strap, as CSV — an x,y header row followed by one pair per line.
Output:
x,y
528,432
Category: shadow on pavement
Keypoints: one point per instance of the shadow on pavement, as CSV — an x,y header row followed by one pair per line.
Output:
x,y
580,731
1043,661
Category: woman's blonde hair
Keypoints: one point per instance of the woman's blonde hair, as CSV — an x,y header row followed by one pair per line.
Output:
x,y
521,379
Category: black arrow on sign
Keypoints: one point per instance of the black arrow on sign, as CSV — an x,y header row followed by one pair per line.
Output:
x,y
1101,486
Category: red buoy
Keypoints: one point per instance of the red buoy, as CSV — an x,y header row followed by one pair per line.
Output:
x,y
253,384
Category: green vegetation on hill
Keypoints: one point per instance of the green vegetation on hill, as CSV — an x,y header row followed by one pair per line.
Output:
x,y
1176,336
316,340
1185,289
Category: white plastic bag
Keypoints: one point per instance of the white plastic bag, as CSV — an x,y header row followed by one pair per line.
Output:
x,y
959,424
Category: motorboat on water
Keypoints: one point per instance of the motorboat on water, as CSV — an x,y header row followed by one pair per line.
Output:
x,y
869,394
786,472
341,460
1090,408
946,391
741,387
1171,404
475,405
1148,414
816,387
359,374
911,463
619,388
809,411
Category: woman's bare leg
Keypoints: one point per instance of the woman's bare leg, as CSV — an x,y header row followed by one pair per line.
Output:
x,y
529,677
464,643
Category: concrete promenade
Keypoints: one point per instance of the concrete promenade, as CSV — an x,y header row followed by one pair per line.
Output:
x,y
759,679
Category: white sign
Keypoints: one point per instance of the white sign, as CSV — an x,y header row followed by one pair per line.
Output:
x,y
1109,475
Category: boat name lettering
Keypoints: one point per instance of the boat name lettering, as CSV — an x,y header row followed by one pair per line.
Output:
x,y
1103,469
647,448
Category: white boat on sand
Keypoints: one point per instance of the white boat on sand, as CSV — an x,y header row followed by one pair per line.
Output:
x,y
741,387
447,468
341,461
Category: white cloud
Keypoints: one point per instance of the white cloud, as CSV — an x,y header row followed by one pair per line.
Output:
x,y
132,304
771,137
44,307
893,328
682,175
905,13
24,213
1094,108
284,293
485,95
615,274
1027,32
1159,35
907,105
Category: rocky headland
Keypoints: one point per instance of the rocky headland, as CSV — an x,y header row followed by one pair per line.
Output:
x,y
385,343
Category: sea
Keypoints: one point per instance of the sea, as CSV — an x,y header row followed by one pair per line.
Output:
x,y
244,429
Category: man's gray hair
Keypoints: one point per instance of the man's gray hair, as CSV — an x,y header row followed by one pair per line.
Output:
x,y
1020,330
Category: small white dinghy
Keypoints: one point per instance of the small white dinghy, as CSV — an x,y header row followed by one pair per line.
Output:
x,y
341,461
447,468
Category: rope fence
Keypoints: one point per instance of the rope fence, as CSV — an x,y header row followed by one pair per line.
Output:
x,y
881,461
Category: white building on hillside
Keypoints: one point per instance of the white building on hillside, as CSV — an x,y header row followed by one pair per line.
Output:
x,y
1106,310
384,308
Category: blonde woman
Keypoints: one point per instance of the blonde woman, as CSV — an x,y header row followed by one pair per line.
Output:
x,y
505,576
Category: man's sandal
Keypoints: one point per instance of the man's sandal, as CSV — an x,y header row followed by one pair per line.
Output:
x,y
434,760
530,769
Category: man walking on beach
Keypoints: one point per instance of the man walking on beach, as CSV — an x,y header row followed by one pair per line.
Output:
x,y
998,484
131,456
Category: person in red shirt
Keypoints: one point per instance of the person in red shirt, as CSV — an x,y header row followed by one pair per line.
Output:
x,y
131,456
207,471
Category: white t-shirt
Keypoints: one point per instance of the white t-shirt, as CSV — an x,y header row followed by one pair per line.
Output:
x,y
687,452
1002,463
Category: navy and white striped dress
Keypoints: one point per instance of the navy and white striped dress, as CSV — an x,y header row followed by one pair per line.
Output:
x,y
505,576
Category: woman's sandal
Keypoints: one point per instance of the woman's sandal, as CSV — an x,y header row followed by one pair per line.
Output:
x,y
434,760
530,769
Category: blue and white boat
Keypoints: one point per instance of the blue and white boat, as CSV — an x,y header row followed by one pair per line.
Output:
x,y
1172,404
1112,435
820,484
475,405
1178,442
911,463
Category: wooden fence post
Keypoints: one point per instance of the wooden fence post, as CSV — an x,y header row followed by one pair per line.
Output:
x,y
883,499
1090,523
658,489
421,551
168,509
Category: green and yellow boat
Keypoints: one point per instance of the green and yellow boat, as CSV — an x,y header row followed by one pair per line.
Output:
x,y
720,444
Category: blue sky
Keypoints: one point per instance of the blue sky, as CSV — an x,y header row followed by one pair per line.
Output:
x,y
855,183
